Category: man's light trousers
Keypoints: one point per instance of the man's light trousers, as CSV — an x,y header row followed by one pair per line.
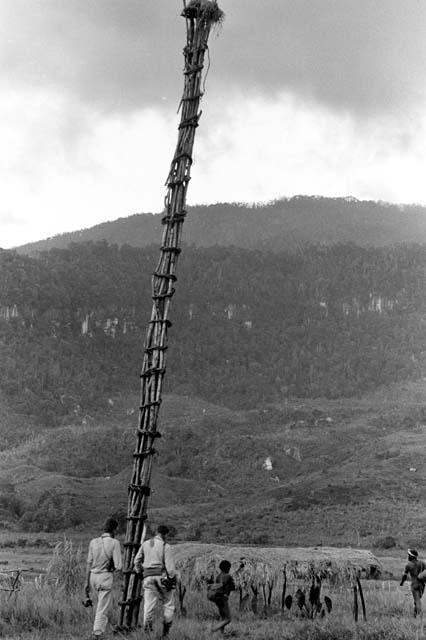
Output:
x,y
154,592
101,584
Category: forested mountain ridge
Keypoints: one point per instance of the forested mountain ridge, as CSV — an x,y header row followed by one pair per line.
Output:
x,y
249,327
283,224
265,349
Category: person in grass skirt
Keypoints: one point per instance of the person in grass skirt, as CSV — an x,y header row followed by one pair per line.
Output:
x,y
416,569
218,591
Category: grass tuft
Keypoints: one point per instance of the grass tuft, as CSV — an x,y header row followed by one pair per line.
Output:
x,y
65,570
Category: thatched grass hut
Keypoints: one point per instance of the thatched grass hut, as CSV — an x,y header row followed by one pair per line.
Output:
x,y
259,566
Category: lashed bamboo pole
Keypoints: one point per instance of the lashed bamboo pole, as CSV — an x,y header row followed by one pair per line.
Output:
x,y
200,16
361,596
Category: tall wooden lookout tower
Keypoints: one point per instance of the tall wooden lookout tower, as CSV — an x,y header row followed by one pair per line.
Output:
x,y
200,17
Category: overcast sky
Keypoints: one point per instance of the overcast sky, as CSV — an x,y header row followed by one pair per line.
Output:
x,y
323,97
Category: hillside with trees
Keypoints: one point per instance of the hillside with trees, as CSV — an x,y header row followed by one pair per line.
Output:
x,y
285,224
271,356
249,327
342,472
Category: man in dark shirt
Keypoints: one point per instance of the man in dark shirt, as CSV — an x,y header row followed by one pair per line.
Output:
x,y
222,594
413,568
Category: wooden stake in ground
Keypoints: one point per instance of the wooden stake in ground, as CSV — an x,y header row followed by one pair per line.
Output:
x,y
200,16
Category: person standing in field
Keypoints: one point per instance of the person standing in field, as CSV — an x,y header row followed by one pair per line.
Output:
x,y
155,562
414,568
103,559
219,591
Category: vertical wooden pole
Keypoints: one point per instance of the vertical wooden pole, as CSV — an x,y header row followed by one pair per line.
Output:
x,y
284,589
270,590
361,597
355,605
253,603
181,595
200,16
265,602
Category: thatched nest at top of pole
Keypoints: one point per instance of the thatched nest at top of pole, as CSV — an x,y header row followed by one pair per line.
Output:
x,y
256,566
207,10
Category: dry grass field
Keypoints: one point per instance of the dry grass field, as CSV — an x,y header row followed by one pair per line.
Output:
x,y
47,614
49,606
345,473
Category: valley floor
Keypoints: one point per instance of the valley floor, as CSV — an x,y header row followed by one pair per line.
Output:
x,y
346,472
44,610
389,618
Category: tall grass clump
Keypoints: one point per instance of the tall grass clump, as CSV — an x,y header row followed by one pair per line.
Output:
x,y
52,603
66,568
36,609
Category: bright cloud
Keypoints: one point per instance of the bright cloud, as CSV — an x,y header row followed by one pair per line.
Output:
x,y
63,167
302,97
261,149
100,169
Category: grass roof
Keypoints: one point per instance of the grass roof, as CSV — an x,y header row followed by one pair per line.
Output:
x,y
197,562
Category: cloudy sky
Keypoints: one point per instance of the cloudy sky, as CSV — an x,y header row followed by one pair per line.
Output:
x,y
322,97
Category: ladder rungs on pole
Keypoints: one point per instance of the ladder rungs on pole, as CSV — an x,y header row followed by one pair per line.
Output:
x,y
144,454
168,322
139,488
154,403
147,432
153,370
196,96
128,571
178,181
156,348
131,600
184,154
190,122
177,217
161,296
176,250
193,69
167,276
131,544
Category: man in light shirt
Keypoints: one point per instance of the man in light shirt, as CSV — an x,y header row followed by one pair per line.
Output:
x,y
103,559
155,560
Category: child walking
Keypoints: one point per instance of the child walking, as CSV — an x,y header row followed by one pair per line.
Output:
x,y
220,590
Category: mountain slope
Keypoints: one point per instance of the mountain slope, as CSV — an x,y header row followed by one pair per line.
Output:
x,y
341,472
248,326
284,224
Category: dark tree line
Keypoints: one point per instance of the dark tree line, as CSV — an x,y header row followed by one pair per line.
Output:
x,y
249,326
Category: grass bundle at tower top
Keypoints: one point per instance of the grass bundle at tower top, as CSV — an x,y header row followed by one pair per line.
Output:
x,y
206,9
256,566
